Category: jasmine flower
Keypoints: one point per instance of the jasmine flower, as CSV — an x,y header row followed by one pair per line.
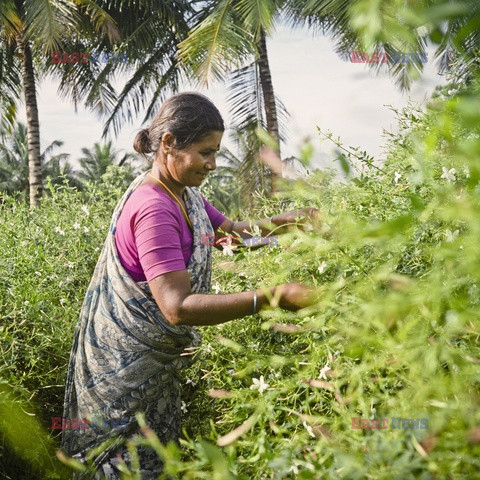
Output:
x,y
324,370
448,175
322,267
309,429
451,236
259,384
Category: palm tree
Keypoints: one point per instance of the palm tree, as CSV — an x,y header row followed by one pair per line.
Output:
x,y
14,163
150,33
232,37
29,30
57,169
232,32
96,160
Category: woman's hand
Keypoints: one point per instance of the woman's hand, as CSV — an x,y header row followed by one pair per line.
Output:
x,y
292,216
294,296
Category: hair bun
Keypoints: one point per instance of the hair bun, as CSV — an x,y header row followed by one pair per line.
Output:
x,y
142,143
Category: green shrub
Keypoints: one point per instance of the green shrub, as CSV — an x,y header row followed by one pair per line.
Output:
x,y
395,334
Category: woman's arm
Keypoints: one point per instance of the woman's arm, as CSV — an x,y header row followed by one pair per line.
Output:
x,y
268,225
180,306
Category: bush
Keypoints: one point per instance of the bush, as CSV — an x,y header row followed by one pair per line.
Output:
x,y
394,336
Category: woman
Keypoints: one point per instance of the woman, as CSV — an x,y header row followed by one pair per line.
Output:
x,y
151,288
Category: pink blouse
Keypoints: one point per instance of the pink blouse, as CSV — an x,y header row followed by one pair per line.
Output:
x,y
152,236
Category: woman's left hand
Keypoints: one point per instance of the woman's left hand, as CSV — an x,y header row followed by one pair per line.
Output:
x,y
293,215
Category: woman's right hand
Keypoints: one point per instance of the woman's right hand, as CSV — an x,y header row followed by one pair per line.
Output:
x,y
294,296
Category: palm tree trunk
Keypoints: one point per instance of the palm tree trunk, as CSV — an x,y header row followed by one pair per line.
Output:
x,y
33,127
267,89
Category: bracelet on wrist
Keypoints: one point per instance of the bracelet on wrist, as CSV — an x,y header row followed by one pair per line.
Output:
x,y
254,302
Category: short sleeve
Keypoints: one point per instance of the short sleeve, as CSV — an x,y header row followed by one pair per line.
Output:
x,y
158,238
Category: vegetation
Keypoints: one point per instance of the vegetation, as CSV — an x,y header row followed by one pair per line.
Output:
x,y
56,168
395,334
394,256
95,162
14,164
30,30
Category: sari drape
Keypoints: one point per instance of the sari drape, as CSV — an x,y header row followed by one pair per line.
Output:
x,y
126,355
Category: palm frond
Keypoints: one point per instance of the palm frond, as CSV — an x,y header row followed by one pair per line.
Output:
x,y
148,82
217,45
245,101
100,19
10,21
10,79
48,22
258,15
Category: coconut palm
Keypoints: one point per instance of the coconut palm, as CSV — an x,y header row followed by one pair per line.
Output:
x,y
29,31
95,162
14,163
150,32
392,26
232,37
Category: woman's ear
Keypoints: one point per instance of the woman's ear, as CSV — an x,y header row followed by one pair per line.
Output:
x,y
168,142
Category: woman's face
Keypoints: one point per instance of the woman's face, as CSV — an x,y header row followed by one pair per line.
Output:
x,y
189,166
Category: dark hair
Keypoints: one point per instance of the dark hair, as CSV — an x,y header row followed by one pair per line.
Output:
x,y
189,116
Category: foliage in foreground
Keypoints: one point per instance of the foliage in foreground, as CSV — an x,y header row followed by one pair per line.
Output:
x,y
395,334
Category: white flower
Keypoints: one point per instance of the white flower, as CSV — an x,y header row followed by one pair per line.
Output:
x,y
322,267
466,171
324,370
183,407
398,176
59,231
228,250
62,301
70,265
189,381
85,210
259,384
86,230
309,429
451,236
76,226
449,175
294,469
216,288
372,416
38,274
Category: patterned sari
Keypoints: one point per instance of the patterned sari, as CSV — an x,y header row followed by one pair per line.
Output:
x,y
126,356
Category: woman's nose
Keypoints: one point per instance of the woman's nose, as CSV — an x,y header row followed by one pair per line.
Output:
x,y
211,163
